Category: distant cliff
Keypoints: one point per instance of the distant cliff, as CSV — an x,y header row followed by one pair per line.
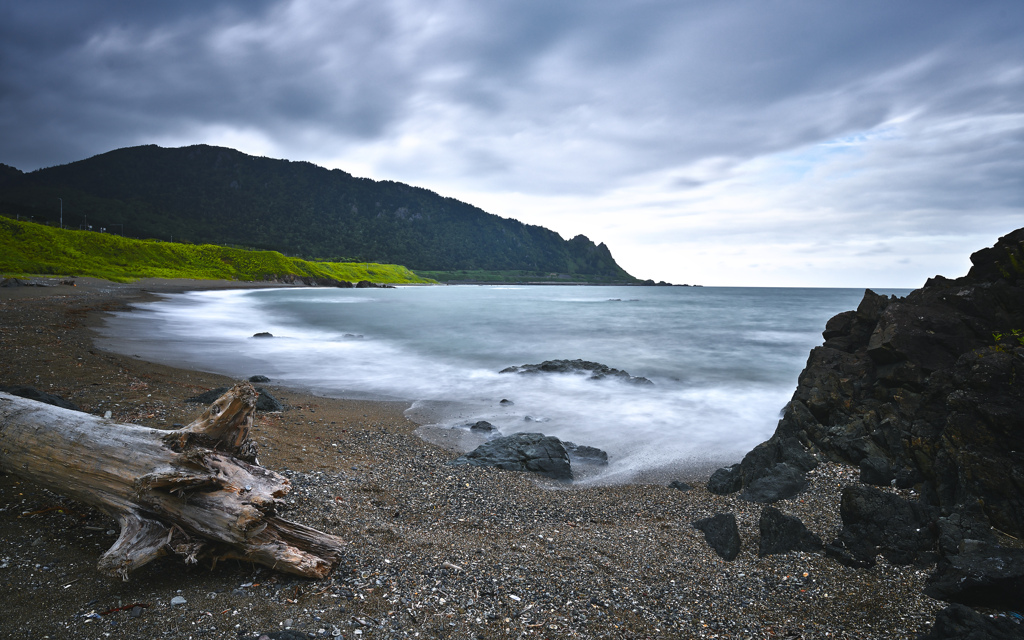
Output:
x,y
204,194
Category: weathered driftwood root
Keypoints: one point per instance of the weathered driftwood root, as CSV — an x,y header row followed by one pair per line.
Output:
x,y
197,491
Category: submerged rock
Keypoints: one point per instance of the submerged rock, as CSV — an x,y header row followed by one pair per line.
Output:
x,y
534,452
596,370
483,426
721,534
263,334
583,453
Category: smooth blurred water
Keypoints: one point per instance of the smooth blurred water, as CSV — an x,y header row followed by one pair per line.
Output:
x,y
724,360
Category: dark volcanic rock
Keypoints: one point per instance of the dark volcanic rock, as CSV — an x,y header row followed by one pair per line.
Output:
x,y
596,370
721,534
263,334
259,379
875,523
267,402
31,393
986,576
482,426
264,401
726,480
963,527
781,534
957,622
925,390
585,454
533,452
780,481
876,470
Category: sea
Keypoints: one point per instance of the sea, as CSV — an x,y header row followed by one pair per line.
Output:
x,y
723,361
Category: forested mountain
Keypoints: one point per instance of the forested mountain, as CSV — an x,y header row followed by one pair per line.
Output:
x,y
205,194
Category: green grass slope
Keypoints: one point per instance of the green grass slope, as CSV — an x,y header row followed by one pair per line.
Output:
x,y
29,248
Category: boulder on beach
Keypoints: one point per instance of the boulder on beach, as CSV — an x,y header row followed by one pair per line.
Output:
x,y
483,426
875,522
533,452
594,370
259,378
780,533
263,334
985,575
722,534
957,622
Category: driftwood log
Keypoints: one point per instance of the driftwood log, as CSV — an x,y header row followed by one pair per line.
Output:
x,y
198,491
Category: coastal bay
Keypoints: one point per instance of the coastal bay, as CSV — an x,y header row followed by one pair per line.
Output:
x,y
436,550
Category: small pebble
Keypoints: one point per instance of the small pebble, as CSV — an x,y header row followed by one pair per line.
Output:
x,y
178,601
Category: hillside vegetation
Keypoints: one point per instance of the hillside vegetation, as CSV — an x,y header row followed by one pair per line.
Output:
x,y
27,248
203,194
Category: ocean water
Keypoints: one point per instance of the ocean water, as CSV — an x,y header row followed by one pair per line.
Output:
x,y
724,361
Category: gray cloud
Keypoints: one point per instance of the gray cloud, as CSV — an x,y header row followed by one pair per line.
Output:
x,y
866,118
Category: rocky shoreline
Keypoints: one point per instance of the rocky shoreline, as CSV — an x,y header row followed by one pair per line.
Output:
x,y
435,550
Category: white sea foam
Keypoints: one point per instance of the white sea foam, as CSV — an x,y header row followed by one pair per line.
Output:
x,y
724,361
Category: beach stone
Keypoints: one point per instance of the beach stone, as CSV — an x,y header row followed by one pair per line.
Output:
x,y
482,425
726,480
680,485
988,576
781,534
506,402
721,534
957,622
263,334
875,523
780,482
259,378
596,370
178,601
533,452
31,393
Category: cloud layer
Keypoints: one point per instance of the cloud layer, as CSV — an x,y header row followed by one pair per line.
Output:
x,y
785,143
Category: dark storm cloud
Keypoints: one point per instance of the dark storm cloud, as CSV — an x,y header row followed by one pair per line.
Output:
x,y
747,119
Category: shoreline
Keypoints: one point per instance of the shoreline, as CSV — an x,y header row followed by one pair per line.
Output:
x,y
582,561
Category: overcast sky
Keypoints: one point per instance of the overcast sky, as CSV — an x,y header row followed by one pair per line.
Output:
x,y
867,143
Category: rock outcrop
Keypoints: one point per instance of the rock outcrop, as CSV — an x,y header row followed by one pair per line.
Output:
x,y
925,391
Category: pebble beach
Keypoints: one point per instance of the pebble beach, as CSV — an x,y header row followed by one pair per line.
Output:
x,y
432,551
